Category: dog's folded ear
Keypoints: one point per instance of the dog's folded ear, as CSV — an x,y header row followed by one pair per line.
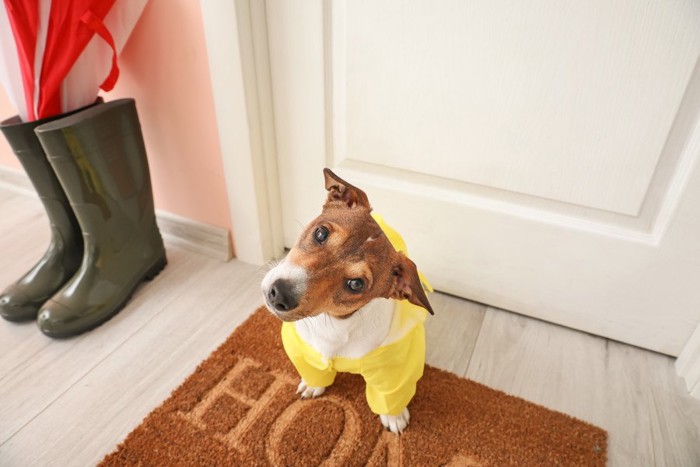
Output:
x,y
407,284
341,191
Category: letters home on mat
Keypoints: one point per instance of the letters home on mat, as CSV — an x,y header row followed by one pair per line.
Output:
x,y
240,407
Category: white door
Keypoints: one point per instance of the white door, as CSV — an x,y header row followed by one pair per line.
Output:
x,y
538,156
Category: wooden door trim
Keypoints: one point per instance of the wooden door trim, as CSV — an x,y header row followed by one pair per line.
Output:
x,y
236,37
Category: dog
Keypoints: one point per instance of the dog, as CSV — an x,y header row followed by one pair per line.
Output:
x,y
352,301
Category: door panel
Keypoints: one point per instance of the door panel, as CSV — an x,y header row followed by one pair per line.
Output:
x,y
537,157
537,98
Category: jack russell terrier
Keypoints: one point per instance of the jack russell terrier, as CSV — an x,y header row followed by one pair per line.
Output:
x,y
352,301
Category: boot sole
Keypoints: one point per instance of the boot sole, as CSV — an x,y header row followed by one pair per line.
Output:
x,y
20,318
148,276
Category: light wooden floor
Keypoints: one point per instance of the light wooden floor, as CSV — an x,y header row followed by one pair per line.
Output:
x,y
69,402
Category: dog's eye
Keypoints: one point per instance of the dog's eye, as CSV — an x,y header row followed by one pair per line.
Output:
x,y
321,235
355,285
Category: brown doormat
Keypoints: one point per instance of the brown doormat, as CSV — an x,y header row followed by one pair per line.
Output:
x,y
240,408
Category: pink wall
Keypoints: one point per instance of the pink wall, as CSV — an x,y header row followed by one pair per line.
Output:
x,y
164,67
7,159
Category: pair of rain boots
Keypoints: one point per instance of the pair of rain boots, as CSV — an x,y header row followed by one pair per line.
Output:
x,y
90,170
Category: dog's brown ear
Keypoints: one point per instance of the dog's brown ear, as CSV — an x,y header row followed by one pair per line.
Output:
x,y
342,191
407,284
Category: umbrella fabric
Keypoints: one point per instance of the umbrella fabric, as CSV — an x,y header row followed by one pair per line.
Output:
x,y
10,74
53,38
71,26
24,20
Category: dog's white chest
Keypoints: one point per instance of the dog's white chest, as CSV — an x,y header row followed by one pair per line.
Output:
x,y
353,337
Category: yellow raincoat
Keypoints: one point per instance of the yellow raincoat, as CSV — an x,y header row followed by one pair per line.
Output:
x,y
390,371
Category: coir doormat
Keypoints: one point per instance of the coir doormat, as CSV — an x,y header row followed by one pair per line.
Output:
x,y
240,408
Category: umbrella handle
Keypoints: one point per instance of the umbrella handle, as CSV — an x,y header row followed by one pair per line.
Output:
x,y
98,26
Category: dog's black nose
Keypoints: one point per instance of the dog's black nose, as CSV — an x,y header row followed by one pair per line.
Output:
x,y
281,297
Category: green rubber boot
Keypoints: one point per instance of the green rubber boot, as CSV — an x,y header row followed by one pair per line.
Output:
x,y
100,159
21,300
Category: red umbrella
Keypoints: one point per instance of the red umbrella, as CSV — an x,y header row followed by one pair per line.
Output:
x,y
24,19
68,29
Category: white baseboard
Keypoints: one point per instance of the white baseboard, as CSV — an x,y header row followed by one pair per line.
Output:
x,y
208,240
199,237
16,180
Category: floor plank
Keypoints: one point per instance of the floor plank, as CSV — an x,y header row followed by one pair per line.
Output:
x,y
68,402
90,419
29,388
632,393
451,333
24,235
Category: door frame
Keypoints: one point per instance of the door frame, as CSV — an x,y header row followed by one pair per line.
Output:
x,y
239,65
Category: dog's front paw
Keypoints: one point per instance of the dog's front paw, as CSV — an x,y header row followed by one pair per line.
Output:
x,y
396,423
309,392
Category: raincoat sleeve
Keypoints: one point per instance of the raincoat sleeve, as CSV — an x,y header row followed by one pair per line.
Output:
x,y
311,366
392,374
